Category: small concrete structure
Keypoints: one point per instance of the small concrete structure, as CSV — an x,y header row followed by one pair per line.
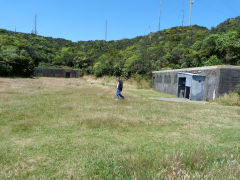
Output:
x,y
191,86
51,72
202,83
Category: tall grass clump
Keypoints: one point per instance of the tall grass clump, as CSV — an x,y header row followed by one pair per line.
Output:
x,y
231,99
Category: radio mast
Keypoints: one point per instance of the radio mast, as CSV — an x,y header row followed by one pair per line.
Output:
x,y
35,24
160,12
106,30
190,17
150,32
183,16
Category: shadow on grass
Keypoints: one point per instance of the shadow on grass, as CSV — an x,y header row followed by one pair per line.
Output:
x,y
106,123
23,126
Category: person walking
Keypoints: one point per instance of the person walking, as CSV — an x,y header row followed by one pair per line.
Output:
x,y
119,88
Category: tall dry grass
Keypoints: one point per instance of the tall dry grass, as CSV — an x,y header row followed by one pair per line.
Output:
x,y
231,99
111,81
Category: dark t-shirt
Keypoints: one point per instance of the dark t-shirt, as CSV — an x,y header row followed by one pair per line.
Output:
x,y
120,85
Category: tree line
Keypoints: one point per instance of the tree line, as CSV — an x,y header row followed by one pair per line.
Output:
x,y
178,47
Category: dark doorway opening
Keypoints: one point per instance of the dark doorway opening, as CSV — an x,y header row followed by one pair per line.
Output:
x,y
187,95
67,74
181,87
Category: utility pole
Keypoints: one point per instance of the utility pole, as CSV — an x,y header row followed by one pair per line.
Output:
x,y
160,12
150,32
35,25
183,16
190,17
106,30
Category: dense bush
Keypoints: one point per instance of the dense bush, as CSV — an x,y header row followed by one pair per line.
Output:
x,y
178,47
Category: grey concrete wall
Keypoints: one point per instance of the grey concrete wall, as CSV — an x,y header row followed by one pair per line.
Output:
x,y
229,80
165,82
50,72
211,84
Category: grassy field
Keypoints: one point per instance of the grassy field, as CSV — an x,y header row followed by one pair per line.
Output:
x,y
75,129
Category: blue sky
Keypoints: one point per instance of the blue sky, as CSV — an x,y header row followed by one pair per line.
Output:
x,y
85,19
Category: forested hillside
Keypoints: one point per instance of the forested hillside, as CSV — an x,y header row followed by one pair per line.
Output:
x,y
178,47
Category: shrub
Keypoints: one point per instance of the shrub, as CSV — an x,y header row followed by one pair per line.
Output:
x,y
213,60
238,90
5,69
98,69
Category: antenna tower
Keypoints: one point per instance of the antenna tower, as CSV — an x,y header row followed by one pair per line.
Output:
x,y
183,16
160,12
35,24
190,17
150,32
106,30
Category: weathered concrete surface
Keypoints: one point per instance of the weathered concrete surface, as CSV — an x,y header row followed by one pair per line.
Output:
x,y
177,100
51,72
219,80
229,80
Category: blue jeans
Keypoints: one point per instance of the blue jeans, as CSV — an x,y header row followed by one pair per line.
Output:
x,y
118,93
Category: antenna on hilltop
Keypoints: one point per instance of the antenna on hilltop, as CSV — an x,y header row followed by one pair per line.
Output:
x,y
190,17
150,32
35,25
160,12
106,26
183,16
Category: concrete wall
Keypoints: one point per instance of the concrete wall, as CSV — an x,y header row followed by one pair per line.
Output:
x,y
229,79
49,72
212,81
166,82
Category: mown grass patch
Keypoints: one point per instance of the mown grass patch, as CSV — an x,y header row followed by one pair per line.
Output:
x,y
74,129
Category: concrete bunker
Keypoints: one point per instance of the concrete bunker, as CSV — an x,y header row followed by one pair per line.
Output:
x,y
200,83
56,72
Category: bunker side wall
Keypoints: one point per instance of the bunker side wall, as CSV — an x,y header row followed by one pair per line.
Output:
x,y
165,82
211,85
45,72
229,80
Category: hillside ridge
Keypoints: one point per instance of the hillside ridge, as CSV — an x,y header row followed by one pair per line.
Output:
x,y
177,47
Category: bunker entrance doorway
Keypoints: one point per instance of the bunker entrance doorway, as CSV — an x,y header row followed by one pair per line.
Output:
x,y
67,74
191,86
187,93
183,90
